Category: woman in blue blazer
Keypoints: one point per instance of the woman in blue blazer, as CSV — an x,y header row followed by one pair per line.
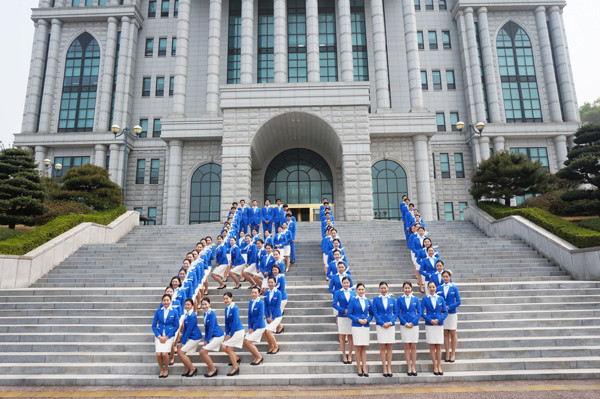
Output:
x,y
272,314
335,284
164,326
384,310
236,263
191,336
267,217
213,337
408,309
256,325
222,263
434,313
428,264
360,312
234,332
341,300
280,286
451,296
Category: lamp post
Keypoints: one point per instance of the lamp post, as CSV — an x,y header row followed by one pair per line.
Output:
x,y
48,164
126,132
472,129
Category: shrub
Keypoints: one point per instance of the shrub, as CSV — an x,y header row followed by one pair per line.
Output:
x,y
90,184
550,202
592,224
5,234
28,241
62,208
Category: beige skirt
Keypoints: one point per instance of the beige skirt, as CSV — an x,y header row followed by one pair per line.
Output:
x,y
215,344
451,322
360,336
236,340
255,336
238,269
220,270
272,326
386,335
410,335
163,348
434,335
344,325
190,345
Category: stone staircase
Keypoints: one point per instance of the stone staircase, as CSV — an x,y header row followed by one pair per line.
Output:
x,y
87,322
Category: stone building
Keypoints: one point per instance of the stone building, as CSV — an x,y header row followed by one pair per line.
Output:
x,y
354,100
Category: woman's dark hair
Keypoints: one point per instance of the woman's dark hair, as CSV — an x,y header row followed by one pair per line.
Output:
x,y
360,284
207,299
255,288
383,283
440,261
407,283
229,294
272,278
163,297
431,282
175,278
346,278
190,300
448,272
276,266
186,260
185,271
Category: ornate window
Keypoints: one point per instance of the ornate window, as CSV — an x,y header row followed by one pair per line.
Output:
x,y
389,184
205,194
234,43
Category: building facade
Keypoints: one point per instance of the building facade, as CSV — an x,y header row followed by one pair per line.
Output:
x,y
354,100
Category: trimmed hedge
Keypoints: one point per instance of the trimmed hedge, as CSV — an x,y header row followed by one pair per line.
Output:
x,y
580,237
28,241
592,224
6,233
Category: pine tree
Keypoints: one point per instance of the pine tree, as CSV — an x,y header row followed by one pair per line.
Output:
x,y
91,185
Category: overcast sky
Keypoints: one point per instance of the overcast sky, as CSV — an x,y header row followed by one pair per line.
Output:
x,y
16,35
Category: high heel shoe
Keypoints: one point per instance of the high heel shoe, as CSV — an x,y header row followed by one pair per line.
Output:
x,y
186,374
232,373
192,374
257,363
238,361
237,287
212,375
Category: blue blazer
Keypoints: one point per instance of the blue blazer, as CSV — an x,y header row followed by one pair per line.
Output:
x,y
236,256
232,320
292,229
452,299
273,306
190,328
384,315
412,314
356,312
256,316
255,215
246,215
168,325
335,284
211,327
340,303
280,285
221,255
427,269
429,313
267,213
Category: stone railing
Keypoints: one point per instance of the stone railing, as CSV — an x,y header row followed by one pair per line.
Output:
x,y
22,271
581,264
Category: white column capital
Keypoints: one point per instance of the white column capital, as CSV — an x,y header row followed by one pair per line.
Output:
x,y
468,10
42,22
540,9
482,10
113,20
498,143
554,9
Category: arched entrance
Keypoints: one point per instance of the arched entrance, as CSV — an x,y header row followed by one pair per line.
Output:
x,y
389,184
205,194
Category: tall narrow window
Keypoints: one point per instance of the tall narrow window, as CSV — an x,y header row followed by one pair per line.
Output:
x,y
517,73
176,8
445,165
446,41
454,120
297,41
359,40
160,86
424,84
440,122
417,5
154,170
152,215
433,44
420,41
171,85
482,74
205,194
433,164
234,42
429,5
89,3
152,9
389,184
156,128
174,46
443,5
144,126
115,74
140,171
164,8
266,44
448,211
459,165
75,3
162,46
146,85
78,103
436,77
461,209
149,52
327,41
450,82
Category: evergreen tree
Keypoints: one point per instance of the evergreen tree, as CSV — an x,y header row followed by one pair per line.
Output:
x,y
506,175
21,189
90,184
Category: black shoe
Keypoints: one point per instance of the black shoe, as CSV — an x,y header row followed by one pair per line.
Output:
x,y
390,375
186,374
211,375
280,331
365,374
232,373
414,374
224,286
441,373
192,374
451,361
238,287
409,374
446,361
361,375
273,353
238,361
257,363
435,373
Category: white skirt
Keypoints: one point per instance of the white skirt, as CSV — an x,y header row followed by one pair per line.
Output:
x,y
190,345
410,335
251,269
325,259
272,326
220,270
287,249
414,261
255,336
238,269
386,335
451,321
434,335
163,348
215,344
245,256
283,303
236,340
344,325
360,336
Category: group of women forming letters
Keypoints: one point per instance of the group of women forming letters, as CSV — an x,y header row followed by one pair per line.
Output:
x,y
355,311
243,257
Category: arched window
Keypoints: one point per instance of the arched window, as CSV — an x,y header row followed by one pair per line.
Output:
x,y
517,73
205,194
78,102
389,184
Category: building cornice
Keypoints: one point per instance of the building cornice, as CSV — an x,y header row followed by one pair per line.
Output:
x,y
504,5
391,124
87,14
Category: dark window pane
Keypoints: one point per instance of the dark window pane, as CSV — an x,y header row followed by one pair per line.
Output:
x,y
389,184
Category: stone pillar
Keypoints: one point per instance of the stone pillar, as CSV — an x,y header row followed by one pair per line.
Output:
x,y
476,150
174,188
36,77
312,41
466,60
59,3
45,3
236,172
107,75
412,56
560,146
571,113
247,44
119,111
487,55
214,55
41,152
571,142
130,73
51,72
380,55
498,144
473,55
113,165
421,153
280,40
345,34
181,63
100,155
548,64
484,147
357,182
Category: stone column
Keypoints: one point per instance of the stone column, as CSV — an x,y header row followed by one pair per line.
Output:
x,y
113,165
36,77
345,34
181,63
476,150
236,172
484,147
312,41
487,55
130,73
280,56
59,3
119,105
380,55
357,182
473,55
41,152
412,56
100,155
51,72
214,55
571,142
560,146
45,3
247,44
548,63
498,144
562,66
107,75
466,60
421,153
174,188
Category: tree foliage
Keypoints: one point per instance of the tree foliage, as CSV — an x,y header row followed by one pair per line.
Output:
x,y
21,189
506,175
590,112
90,184
583,167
